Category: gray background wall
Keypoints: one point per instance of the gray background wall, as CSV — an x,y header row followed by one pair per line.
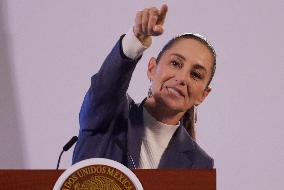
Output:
x,y
50,49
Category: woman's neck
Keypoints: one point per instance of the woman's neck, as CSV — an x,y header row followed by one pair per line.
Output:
x,y
162,113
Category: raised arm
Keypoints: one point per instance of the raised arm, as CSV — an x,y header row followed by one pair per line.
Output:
x,y
109,86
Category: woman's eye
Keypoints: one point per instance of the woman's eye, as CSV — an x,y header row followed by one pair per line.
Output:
x,y
196,75
176,64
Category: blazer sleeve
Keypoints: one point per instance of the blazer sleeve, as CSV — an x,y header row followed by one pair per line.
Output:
x,y
108,90
102,102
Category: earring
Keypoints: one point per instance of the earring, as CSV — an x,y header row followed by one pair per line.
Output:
x,y
150,92
195,114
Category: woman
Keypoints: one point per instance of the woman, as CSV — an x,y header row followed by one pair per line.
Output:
x,y
159,132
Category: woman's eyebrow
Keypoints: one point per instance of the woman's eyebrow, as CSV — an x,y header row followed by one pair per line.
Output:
x,y
198,66
180,56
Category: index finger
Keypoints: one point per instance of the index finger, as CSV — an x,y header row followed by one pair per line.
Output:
x,y
162,14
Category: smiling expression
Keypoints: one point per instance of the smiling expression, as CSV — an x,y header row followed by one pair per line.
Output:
x,y
180,78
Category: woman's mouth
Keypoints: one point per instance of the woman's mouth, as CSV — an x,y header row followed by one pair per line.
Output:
x,y
174,91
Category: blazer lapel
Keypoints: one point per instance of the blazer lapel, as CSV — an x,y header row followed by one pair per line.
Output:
x,y
179,152
135,131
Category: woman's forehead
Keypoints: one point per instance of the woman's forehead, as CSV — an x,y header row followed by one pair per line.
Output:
x,y
191,50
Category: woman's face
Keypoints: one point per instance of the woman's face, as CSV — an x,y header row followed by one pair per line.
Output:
x,y
180,79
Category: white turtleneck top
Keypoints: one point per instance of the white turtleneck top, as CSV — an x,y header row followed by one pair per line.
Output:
x,y
155,140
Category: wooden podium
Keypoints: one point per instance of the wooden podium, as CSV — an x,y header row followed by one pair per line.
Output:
x,y
159,179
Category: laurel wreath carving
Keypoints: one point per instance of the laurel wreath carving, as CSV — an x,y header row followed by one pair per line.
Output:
x,y
97,183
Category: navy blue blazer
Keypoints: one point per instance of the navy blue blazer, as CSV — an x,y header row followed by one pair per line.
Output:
x,y
108,112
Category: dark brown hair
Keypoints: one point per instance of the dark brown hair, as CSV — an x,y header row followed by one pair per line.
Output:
x,y
189,118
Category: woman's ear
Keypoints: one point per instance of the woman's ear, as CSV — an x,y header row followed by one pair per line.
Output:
x,y
203,95
152,66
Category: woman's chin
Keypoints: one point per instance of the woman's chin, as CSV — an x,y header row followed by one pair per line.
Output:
x,y
174,105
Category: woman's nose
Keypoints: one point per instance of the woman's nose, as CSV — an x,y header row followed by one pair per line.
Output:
x,y
181,78
180,82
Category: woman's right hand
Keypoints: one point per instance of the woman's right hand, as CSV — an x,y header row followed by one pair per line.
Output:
x,y
149,22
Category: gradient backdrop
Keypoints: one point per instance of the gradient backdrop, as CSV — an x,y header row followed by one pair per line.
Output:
x,y
50,49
